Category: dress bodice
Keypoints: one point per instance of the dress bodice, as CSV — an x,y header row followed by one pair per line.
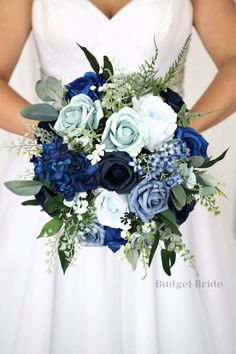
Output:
x,y
128,37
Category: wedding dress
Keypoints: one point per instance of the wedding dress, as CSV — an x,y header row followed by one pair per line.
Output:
x,y
101,306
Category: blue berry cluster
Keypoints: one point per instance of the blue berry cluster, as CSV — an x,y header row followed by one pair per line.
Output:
x,y
67,172
162,164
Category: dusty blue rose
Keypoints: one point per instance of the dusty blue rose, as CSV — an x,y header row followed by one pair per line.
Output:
x,y
148,198
95,236
81,112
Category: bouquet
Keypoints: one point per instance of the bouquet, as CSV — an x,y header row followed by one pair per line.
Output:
x,y
116,164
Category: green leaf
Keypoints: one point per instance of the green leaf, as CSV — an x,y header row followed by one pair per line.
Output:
x,y
209,162
180,195
169,219
51,228
42,112
165,261
132,257
54,204
91,58
32,202
41,90
54,89
172,257
207,191
154,247
24,188
63,256
196,161
108,70
175,202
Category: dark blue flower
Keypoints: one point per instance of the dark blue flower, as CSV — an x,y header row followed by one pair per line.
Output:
x,y
114,172
194,141
113,239
83,85
66,172
183,214
173,99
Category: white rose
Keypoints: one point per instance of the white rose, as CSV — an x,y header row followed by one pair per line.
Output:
x,y
111,207
159,117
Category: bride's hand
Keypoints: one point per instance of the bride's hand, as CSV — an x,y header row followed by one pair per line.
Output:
x,y
215,22
15,26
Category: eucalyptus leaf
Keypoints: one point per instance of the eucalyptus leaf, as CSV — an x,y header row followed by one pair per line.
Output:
x,y
51,228
54,89
42,112
207,191
180,195
154,247
176,203
196,161
165,261
24,188
41,90
133,257
91,58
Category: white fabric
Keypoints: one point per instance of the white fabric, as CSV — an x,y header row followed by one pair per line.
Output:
x,y
101,306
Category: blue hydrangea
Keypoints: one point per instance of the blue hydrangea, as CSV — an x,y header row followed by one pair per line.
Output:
x,y
66,172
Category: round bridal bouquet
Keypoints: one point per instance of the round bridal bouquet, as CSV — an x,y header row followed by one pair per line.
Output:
x,y
116,163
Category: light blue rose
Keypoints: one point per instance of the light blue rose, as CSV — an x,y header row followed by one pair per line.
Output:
x,y
81,112
95,236
124,131
148,198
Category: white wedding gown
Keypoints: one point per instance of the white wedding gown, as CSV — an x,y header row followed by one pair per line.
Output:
x,y
101,306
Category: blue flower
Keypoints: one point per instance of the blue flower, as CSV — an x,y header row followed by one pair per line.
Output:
x,y
84,84
95,235
195,141
148,198
66,172
173,99
113,239
183,214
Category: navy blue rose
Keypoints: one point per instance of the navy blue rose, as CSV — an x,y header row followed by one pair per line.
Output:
x,y
84,84
173,99
194,141
65,171
113,239
183,214
148,198
115,174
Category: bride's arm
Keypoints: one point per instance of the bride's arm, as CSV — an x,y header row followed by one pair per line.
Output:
x,y
15,26
215,22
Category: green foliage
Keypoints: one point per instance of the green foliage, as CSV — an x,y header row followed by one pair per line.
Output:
x,y
108,70
132,257
210,162
196,161
32,202
24,188
50,90
55,204
154,247
178,196
168,218
91,58
41,112
51,228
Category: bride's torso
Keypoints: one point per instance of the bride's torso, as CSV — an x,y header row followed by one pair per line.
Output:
x,y
128,37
